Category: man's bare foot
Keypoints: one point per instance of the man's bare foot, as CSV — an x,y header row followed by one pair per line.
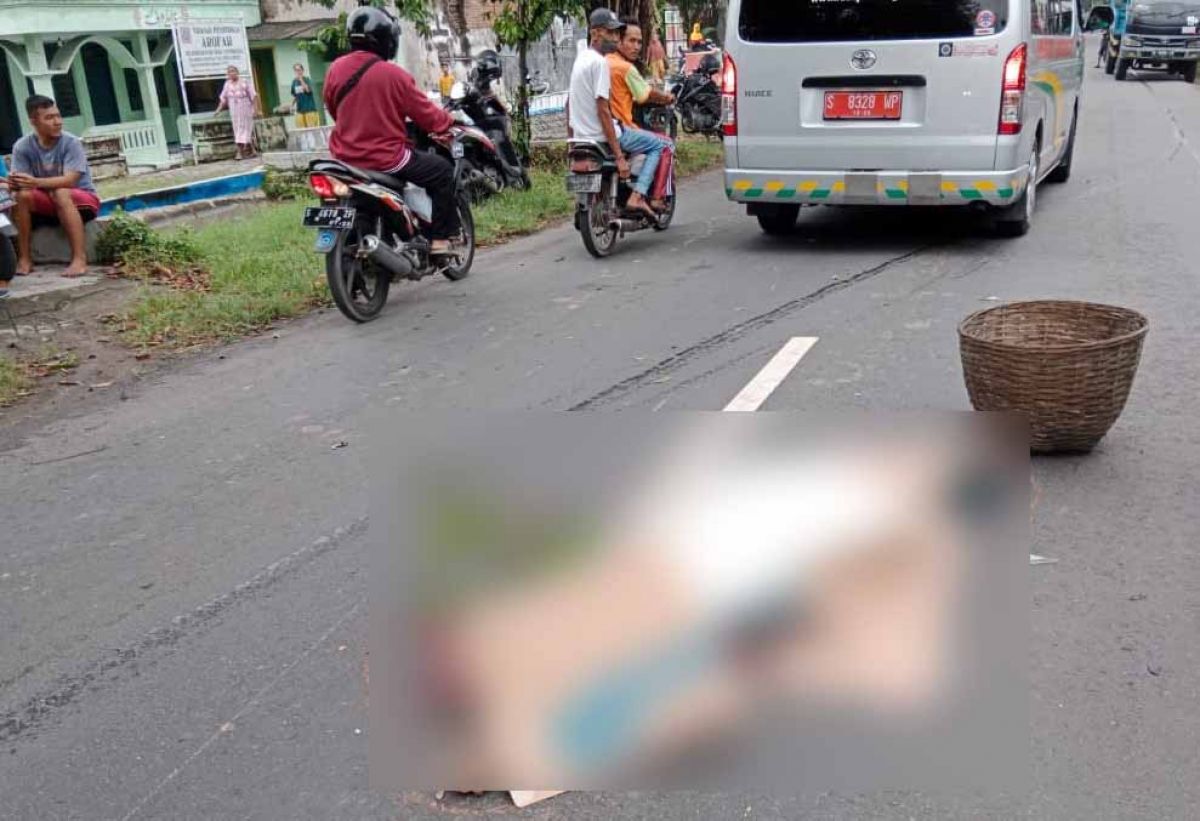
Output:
x,y
24,267
76,269
637,202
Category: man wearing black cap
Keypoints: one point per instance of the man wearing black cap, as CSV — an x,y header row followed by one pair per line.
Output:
x,y
588,113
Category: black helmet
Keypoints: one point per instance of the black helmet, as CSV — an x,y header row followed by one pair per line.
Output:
x,y
374,30
709,64
488,66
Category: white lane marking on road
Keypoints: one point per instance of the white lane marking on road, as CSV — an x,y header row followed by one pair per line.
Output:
x,y
772,375
229,725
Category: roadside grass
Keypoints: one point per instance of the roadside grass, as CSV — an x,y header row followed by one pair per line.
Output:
x,y
236,276
259,267
14,382
515,213
695,155
18,375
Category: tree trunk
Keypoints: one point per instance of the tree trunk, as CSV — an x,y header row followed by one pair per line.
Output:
x,y
644,11
525,136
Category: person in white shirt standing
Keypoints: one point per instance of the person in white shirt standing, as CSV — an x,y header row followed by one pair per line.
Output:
x,y
588,113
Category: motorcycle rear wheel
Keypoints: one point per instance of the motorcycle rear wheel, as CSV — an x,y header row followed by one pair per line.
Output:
x,y
664,219
359,288
599,238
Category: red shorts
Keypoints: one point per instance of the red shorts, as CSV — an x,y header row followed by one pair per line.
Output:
x,y
43,203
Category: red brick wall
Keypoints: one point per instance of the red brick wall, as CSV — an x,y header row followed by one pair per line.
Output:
x,y
478,11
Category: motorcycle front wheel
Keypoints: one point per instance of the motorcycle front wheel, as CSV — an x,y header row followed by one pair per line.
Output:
x,y
358,286
599,238
466,241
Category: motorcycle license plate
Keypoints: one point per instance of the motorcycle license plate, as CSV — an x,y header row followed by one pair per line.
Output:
x,y
456,150
583,183
863,105
326,237
325,217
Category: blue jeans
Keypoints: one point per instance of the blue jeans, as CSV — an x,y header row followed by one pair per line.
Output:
x,y
639,141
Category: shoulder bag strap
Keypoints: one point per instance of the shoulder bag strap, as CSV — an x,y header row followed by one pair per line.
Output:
x,y
353,81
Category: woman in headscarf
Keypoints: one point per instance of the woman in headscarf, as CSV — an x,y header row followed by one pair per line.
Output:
x,y
656,58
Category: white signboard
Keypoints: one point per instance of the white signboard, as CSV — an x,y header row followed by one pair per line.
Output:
x,y
208,48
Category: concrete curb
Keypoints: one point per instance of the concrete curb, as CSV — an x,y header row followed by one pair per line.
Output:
x,y
229,185
174,212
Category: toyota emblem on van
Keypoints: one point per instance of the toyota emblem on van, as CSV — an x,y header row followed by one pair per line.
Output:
x,y
863,59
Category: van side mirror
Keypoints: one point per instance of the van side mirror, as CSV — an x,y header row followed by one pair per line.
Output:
x,y
1100,19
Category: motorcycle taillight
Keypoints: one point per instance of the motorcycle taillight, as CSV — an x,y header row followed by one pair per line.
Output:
x,y
322,186
328,188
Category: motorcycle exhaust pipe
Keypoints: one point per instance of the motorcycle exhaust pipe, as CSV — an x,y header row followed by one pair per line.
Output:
x,y
623,226
386,257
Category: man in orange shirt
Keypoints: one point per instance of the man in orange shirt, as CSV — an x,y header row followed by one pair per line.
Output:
x,y
630,88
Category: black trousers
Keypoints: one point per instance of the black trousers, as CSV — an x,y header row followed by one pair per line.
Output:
x,y
435,174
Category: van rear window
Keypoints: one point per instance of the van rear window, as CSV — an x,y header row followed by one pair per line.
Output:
x,y
823,21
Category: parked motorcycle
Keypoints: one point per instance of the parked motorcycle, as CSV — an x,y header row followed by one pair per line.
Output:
x,y
601,216
491,164
373,232
698,98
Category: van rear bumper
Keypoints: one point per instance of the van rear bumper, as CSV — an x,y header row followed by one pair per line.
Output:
x,y
876,187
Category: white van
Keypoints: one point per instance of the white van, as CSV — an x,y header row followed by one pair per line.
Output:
x,y
899,102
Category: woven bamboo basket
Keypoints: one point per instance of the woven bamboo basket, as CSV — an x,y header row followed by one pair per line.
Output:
x,y
1067,366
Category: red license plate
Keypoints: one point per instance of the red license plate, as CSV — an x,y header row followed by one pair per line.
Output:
x,y
863,105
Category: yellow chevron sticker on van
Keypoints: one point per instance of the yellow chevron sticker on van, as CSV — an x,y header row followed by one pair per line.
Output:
x,y
807,186
741,185
985,185
839,187
949,187
774,185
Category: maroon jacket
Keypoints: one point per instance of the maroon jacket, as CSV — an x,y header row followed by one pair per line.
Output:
x,y
370,130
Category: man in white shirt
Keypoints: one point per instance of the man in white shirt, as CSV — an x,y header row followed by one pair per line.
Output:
x,y
588,113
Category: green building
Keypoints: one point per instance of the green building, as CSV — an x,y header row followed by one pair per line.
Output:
x,y
111,67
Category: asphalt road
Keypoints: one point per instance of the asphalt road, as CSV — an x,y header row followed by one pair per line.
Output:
x,y
182,583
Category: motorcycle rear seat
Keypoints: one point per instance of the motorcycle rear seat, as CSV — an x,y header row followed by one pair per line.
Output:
x,y
594,145
364,174
636,162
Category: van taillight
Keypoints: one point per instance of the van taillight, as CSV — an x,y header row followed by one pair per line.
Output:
x,y
729,97
1012,92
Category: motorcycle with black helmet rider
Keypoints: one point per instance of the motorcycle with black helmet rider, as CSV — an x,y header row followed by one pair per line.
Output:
x,y
391,206
372,100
